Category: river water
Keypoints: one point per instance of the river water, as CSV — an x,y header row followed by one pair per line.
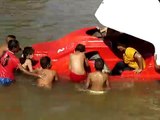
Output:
x,y
33,21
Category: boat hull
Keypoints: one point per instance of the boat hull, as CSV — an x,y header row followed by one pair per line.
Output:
x,y
60,50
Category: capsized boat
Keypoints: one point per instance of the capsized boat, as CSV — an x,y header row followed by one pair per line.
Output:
x,y
60,50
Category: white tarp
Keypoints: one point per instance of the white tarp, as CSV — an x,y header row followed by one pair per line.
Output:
x,y
140,18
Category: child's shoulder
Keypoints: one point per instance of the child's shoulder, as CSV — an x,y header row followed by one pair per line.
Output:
x,y
92,73
54,72
3,47
28,61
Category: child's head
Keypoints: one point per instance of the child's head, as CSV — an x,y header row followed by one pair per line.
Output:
x,y
28,52
10,37
80,48
13,45
99,64
45,62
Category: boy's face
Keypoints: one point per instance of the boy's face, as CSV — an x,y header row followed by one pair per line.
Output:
x,y
30,56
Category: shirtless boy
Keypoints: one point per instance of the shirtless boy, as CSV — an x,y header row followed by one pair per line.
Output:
x,y
97,81
4,47
77,62
48,76
9,62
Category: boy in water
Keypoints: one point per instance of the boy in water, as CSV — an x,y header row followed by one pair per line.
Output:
x,y
77,62
9,62
4,47
47,75
97,81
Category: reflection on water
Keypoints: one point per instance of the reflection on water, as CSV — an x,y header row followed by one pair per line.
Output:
x,y
41,20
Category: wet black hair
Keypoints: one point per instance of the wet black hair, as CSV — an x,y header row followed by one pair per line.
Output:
x,y
12,36
13,44
80,48
45,62
26,51
99,64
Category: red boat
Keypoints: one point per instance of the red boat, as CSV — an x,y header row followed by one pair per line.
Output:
x,y
59,51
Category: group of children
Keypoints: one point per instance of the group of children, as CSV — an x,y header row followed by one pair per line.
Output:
x,y
95,81
9,62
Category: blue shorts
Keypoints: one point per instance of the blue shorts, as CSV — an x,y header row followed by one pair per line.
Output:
x,y
5,81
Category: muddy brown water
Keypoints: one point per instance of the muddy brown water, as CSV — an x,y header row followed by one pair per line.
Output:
x,y
34,21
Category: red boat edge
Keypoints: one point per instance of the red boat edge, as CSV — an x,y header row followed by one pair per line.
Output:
x,y
59,51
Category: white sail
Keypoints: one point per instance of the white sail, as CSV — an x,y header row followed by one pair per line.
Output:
x,y
139,18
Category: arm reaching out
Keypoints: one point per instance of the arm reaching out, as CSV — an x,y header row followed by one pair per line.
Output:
x,y
56,76
88,82
27,72
86,61
107,82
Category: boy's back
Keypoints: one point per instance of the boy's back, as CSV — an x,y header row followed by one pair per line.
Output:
x,y
77,63
48,76
98,81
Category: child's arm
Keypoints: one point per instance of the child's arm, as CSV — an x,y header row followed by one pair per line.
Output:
x,y
86,61
88,82
27,72
107,82
56,76
37,70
